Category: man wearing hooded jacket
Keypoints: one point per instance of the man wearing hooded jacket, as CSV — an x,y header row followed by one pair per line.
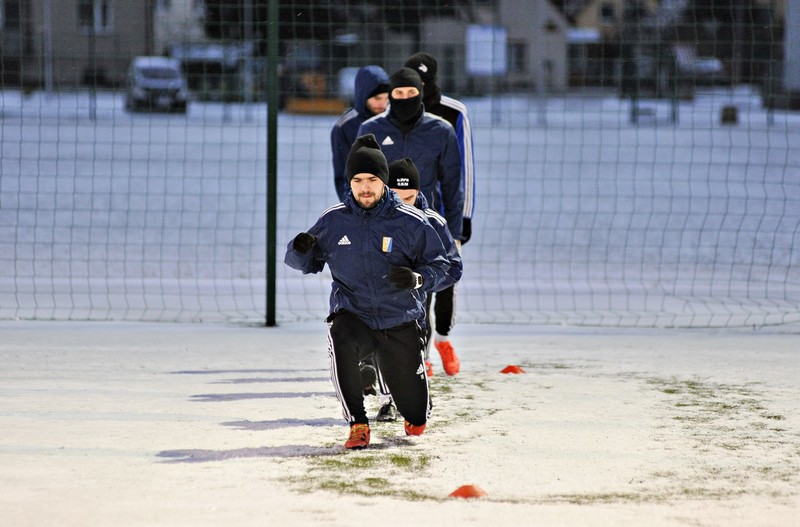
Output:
x,y
407,130
383,256
371,96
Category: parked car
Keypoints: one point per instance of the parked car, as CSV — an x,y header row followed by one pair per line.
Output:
x,y
709,70
156,84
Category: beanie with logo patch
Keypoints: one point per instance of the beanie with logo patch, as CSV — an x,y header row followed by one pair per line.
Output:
x,y
403,174
424,64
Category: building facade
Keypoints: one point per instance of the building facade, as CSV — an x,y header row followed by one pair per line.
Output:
x,y
65,44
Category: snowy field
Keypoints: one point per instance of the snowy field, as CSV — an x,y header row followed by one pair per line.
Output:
x,y
582,217
142,424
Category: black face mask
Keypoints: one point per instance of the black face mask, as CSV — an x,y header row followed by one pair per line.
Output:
x,y
406,111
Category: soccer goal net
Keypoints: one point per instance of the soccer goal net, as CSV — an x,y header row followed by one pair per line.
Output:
x,y
635,167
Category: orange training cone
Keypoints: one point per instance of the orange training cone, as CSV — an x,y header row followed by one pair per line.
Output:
x,y
512,369
468,491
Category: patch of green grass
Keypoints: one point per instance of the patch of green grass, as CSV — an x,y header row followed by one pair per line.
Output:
x,y
409,462
602,497
441,388
724,420
358,486
696,419
368,486
345,462
546,366
370,472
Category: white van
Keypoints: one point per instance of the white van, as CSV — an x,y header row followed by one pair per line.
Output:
x,y
156,84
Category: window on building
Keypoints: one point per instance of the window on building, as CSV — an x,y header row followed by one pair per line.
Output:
x,y
10,14
607,13
94,15
517,57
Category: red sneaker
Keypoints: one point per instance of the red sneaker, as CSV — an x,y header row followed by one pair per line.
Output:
x,y
450,361
359,437
429,368
414,430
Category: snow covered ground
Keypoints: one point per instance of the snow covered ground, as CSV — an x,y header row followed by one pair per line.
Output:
x,y
142,424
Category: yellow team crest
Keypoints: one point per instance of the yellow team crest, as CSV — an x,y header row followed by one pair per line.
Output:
x,y
387,244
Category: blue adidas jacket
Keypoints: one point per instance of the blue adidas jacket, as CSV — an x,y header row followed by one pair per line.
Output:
x,y
343,133
433,147
361,246
454,112
440,225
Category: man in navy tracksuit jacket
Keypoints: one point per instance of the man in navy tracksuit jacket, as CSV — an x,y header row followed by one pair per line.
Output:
x,y
371,96
384,257
429,141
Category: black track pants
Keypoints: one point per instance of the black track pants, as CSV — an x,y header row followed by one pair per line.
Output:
x,y
444,308
398,353
442,316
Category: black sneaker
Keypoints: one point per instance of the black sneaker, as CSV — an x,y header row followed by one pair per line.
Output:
x,y
387,413
368,378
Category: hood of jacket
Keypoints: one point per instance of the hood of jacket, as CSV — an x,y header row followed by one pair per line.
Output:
x,y
368,79
421,202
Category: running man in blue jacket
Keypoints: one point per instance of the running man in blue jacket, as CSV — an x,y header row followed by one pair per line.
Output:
x,y
384,257
371,97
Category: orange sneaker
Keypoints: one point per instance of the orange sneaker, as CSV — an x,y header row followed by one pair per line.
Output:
x,y
450,361
414,430
359,437
429,368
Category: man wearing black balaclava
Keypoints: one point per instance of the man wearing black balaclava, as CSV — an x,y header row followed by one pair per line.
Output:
x,y
407,130
454,112
405,98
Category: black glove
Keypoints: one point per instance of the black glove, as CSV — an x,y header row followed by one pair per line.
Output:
x,y
303,242
405,278
466,230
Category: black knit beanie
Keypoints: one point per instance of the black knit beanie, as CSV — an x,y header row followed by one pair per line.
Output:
x,y
424,64
405,77
365,157
403,174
